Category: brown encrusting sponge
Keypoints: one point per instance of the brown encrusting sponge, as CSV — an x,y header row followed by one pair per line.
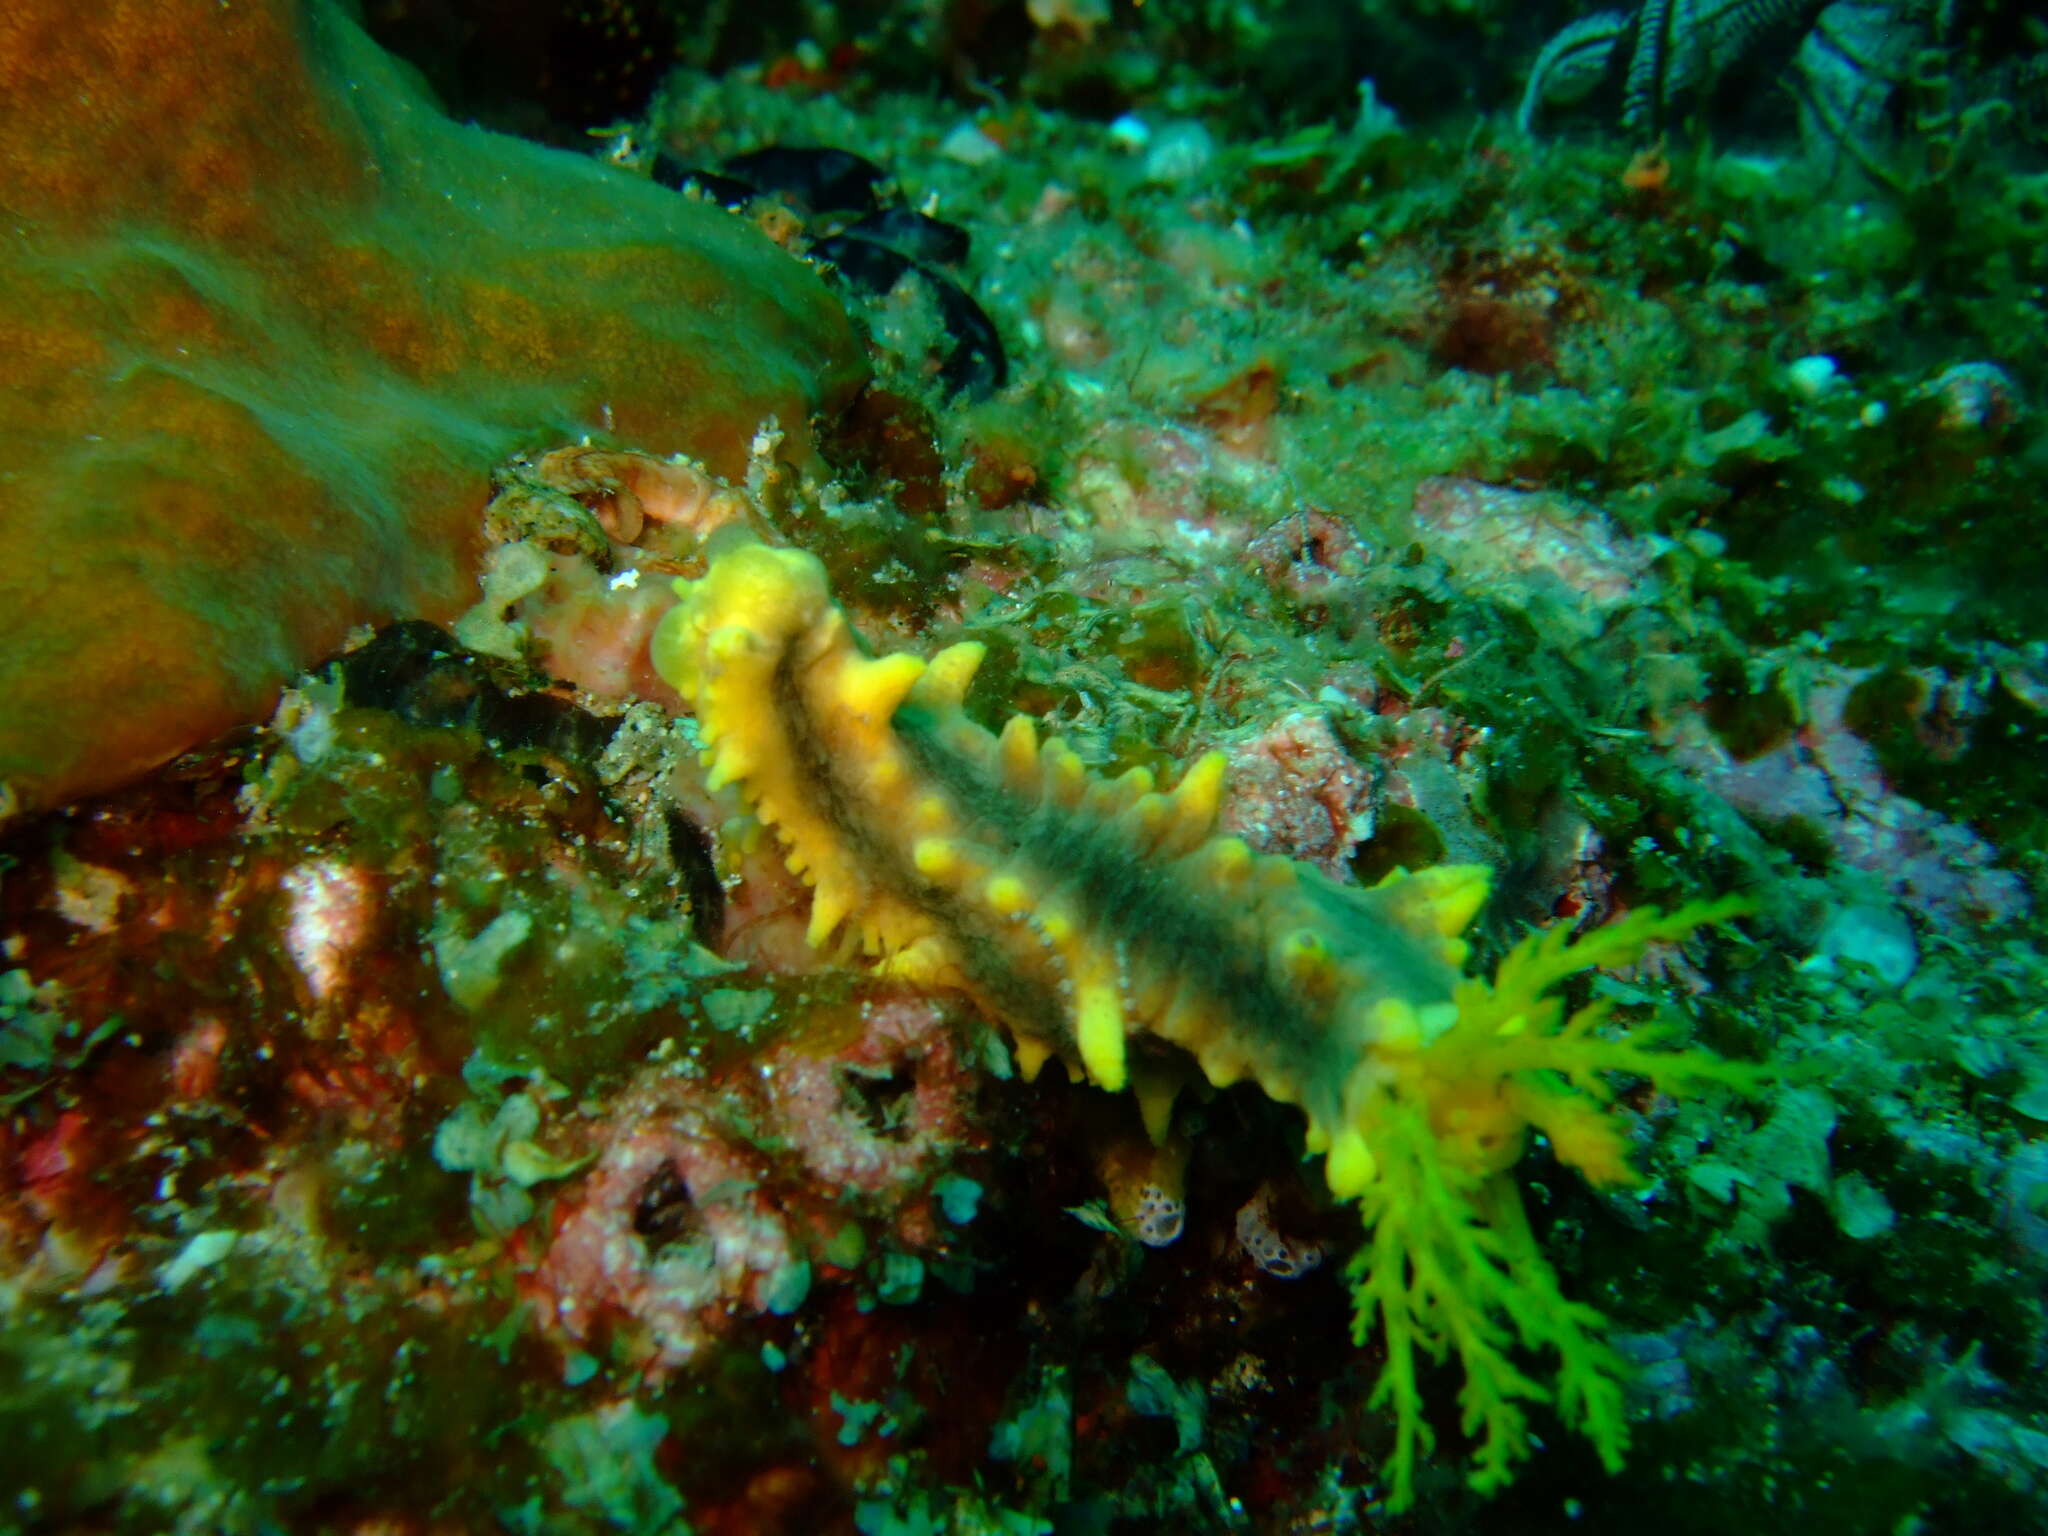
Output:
x,y
1102,922
269,320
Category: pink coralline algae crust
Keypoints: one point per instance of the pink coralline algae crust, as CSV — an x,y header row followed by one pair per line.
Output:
x,y
816,1103
1138,476
1309,555
1293,789
1492,535
1828,777
609,1260
594,635
715,1198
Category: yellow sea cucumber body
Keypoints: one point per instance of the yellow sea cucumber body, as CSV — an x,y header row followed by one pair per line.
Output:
x,y
1089,917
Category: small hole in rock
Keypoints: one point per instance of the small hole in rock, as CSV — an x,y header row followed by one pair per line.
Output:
x,y
664,1212
882,1099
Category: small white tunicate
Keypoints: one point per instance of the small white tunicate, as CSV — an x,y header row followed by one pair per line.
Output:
x,y
202,1252
968,145
1179,152
1129,133
1814,376
1877,937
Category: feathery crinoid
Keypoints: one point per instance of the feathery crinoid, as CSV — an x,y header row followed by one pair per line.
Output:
x,y
1450,1267
1666,53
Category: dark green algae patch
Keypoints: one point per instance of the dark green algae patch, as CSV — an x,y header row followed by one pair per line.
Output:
x,y
301,1114
287,1405
557,975
261,1403
329,1330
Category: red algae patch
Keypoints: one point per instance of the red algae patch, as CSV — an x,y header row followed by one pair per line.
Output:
x,y
267,319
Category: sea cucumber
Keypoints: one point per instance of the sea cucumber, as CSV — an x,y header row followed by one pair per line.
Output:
x,y
1096,920
1102,922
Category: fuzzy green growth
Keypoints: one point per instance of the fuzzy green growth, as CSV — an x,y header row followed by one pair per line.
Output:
x,y
1451,1266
